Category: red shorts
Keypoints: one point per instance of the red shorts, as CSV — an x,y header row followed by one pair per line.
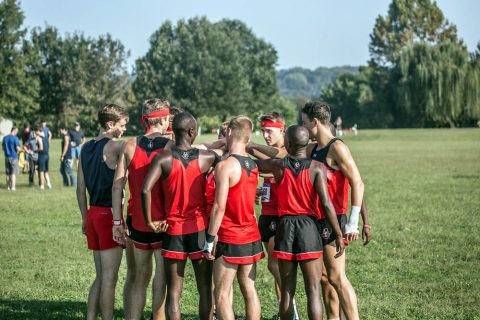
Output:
x,y
99,228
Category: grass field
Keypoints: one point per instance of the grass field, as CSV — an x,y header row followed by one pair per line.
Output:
x,y
423,195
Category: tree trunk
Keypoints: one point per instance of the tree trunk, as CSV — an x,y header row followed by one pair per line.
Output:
x,y
450,122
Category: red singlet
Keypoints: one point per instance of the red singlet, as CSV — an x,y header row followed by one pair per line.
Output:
x,y
184,189
145,150
296,192
239,225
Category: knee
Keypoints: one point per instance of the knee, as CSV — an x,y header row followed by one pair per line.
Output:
x,y
324,281
337,280
222,297
109,279
272,265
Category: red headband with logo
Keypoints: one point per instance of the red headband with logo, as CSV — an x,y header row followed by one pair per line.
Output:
x,y
272,124
157,114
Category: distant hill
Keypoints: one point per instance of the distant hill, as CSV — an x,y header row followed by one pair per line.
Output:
x,y
300,82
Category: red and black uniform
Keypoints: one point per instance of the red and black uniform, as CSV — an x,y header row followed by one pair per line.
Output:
x,y
185,206
210,192
238,236
98,180
268,221
338,187
141,235
297,236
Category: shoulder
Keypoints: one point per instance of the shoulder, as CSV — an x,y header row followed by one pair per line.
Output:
x,y
339,150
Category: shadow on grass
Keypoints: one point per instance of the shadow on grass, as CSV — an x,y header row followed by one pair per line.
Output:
x,y
42,309
65,310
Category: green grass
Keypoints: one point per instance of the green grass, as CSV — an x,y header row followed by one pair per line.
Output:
x,y
423,195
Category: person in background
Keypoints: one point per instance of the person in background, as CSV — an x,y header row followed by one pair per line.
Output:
x,y
31,150
11,148
43,156
338,126
77,139
25,137
66,160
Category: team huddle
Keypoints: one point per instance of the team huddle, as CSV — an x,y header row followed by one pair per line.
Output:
x,y
198,202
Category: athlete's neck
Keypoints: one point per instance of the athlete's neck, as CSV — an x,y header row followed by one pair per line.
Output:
x,y
238,148
104,134
155,131
324,135
183,143
300,153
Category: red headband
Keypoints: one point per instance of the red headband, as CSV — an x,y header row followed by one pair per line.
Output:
x,y
169,130
157,114
272,124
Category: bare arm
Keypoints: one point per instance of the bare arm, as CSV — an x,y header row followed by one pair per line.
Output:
x,y
367,229
40,144
119,181
82,194
264,152
343,159
154,173
320,184
222,184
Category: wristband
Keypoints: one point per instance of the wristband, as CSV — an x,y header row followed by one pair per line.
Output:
x,y
210,238
208,247
117,222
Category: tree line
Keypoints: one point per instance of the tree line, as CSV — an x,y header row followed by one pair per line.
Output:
x,y
420,74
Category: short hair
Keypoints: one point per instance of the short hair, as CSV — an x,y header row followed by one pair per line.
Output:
x,y
241,127
319,110
111,112
175,110
62,126
13,129
183,122
152,105
274,116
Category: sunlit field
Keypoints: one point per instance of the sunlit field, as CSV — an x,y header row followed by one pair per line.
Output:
x,y
423,196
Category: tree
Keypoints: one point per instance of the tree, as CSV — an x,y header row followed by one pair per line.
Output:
x,y
408,22
431,82
78,74
208,68
18,88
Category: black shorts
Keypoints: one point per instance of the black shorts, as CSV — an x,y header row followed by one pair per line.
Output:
x,y
11,166
267,225
298,239
181,247
144,240
326,231
247,253
43,162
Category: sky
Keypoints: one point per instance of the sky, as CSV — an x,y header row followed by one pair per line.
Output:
x,y
305,33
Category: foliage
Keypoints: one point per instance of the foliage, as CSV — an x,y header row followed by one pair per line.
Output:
x,y
78,74
408,22
208,68
18,87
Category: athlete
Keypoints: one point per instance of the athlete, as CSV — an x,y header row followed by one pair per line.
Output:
x,y
342,172
142,242
95,174
273,130
182,172
301,183
233,219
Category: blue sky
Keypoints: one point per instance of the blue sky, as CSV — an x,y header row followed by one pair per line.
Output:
x,y
305,33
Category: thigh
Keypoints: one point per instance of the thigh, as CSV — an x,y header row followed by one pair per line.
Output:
x,y
111,259
223,275
246,274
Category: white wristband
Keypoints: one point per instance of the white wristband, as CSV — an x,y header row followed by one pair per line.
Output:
x,y
117,222
352,225
208,247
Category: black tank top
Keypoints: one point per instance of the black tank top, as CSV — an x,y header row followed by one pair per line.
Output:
x,y
98,176
321,154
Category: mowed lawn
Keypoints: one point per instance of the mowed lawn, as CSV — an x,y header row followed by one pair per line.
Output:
x,y
423,196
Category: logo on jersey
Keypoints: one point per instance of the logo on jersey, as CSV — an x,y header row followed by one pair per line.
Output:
x,y
296,164
185,155
326,233
150,144
247,165
272,226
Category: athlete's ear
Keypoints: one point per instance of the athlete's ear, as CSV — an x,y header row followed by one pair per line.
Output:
x,y
110,125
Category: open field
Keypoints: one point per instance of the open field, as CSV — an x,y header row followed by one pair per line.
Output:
x,y
423,195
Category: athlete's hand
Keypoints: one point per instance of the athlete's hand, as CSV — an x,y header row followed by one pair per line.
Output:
x,y
259,195
340,246
210,255
158,226
118,234
366,234
84,228
351,232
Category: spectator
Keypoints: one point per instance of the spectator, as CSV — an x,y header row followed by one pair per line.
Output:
x,y
66,159
31,150
25,137
11,147
77,139
338,126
